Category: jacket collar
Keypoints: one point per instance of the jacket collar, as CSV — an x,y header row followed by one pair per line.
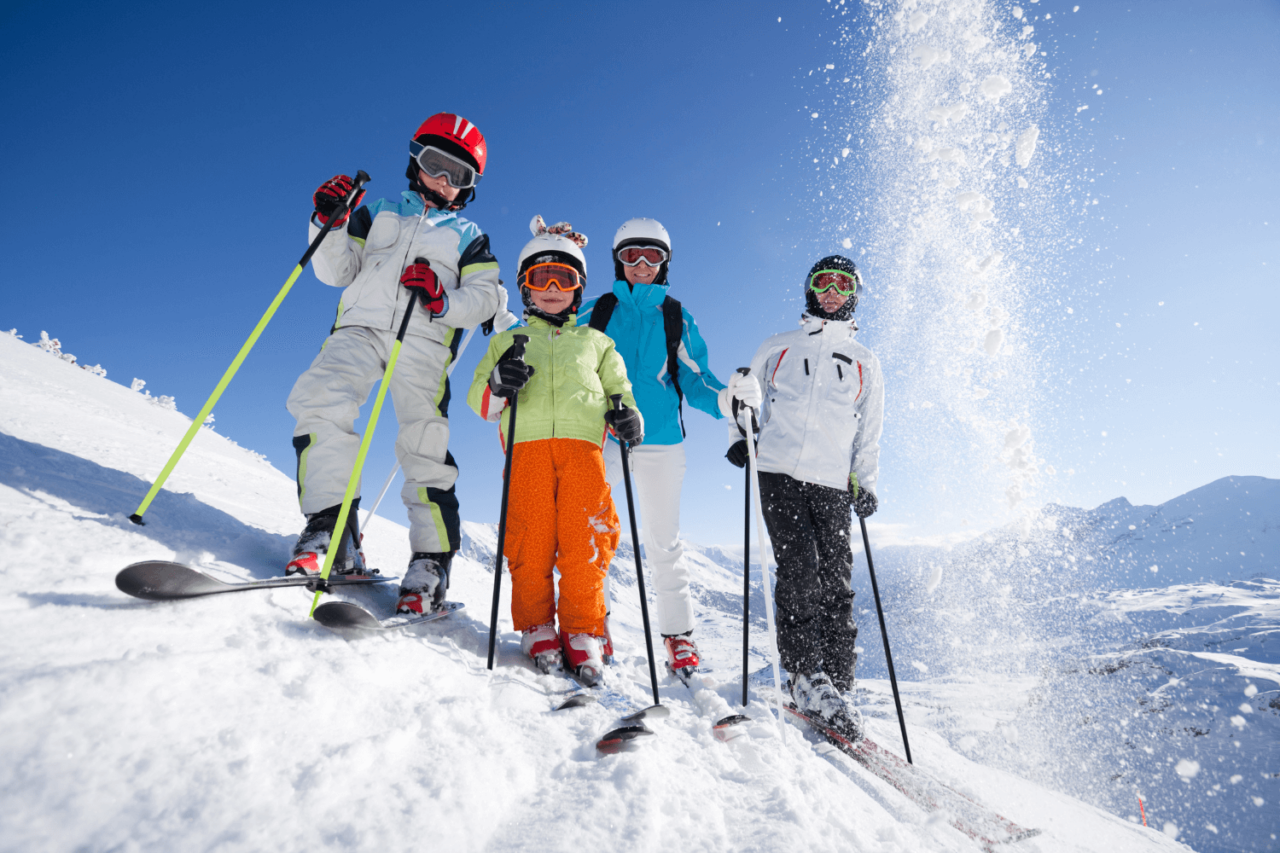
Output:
x,y
640,295
416,206
533,321
817,325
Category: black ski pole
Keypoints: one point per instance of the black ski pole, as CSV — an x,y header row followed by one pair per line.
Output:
x,y
198,421
746,559
884,635
746,580
635,545
518,353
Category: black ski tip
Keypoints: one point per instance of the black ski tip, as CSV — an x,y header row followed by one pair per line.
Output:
x,y
161,580
730,727
345,616
653,712
614,741
137,519
577,700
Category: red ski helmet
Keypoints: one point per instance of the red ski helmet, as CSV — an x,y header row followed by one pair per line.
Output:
x,y
455,135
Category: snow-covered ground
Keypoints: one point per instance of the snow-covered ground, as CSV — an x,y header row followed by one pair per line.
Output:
x,y
235,723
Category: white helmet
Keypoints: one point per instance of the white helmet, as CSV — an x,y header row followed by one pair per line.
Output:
x,y
565,250
558,243
642,232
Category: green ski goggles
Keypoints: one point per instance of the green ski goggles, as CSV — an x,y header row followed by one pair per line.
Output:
x,y
846,284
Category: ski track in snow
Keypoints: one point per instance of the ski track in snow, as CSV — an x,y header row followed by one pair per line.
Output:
x,y
234,723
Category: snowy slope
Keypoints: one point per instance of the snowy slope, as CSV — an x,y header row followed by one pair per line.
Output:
x,y
234,723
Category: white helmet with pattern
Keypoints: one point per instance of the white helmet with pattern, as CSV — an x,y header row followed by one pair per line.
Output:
x,y
557,243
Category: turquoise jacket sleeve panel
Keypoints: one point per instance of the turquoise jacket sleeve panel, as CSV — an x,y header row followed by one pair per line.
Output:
x,y
700,386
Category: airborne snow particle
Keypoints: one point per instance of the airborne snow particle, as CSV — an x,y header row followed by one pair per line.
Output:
x,y
995,87
1025,148
1187,769
847,243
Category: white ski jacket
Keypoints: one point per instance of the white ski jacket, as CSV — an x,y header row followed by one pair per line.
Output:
x,y
823,406
367,254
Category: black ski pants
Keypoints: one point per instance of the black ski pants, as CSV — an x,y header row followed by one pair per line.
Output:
x,y
809,527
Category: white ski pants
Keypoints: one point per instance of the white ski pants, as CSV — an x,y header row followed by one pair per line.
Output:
x,y
326,401
657,474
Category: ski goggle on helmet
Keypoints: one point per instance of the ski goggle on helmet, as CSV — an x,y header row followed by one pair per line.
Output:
x,y
543,277
433,161
845,283
654,256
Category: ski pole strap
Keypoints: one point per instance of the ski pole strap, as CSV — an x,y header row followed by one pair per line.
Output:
x,y
198,421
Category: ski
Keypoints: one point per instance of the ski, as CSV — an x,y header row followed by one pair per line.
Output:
x,y
343,616
709,703
632,727
160,580
970,817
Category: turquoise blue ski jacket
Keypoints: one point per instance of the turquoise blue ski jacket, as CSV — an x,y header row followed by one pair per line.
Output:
x,y
639,337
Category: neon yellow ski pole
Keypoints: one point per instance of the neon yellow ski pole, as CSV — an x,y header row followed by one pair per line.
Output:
x,y
340,526
136,518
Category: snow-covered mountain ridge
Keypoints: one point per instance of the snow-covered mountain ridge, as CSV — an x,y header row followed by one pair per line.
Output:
x,y
234,723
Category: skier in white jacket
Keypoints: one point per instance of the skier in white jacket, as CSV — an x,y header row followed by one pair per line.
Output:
x,y
386,249
818,456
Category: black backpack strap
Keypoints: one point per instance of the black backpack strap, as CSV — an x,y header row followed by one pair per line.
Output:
x,y
673,325
602,311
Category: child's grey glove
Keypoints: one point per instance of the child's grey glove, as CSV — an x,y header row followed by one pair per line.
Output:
x,y
509,375
626,424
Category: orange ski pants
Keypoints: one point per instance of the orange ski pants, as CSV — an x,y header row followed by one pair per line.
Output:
x,y
560,514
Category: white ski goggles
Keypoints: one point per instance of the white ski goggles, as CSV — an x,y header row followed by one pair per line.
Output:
x,y
654,256
433,161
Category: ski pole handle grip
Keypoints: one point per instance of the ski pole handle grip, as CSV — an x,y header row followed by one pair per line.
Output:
x,y
616,399
755,427
362,178
517,346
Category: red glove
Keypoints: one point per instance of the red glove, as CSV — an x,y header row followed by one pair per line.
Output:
x,y
431,294
331,194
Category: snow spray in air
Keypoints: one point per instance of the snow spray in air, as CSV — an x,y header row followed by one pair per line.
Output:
x,y
942,113
938,183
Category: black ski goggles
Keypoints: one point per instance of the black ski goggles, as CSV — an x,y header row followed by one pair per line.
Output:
x,y
433,161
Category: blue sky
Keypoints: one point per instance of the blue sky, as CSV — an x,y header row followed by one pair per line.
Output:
x,y
162,158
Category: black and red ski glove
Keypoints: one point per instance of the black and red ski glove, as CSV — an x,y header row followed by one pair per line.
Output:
x,y
431,292
331,194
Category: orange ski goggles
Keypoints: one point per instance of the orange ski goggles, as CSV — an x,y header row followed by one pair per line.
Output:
x,y
543,277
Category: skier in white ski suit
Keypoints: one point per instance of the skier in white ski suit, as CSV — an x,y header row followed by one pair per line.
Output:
x,y
417,241
818,455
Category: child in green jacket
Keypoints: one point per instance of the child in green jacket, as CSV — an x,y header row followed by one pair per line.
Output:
x,y
560,512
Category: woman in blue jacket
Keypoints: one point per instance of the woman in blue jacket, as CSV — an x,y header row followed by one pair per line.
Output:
x,y
666,360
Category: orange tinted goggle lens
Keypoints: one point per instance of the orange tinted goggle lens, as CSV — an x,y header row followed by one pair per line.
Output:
x,y
546,276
